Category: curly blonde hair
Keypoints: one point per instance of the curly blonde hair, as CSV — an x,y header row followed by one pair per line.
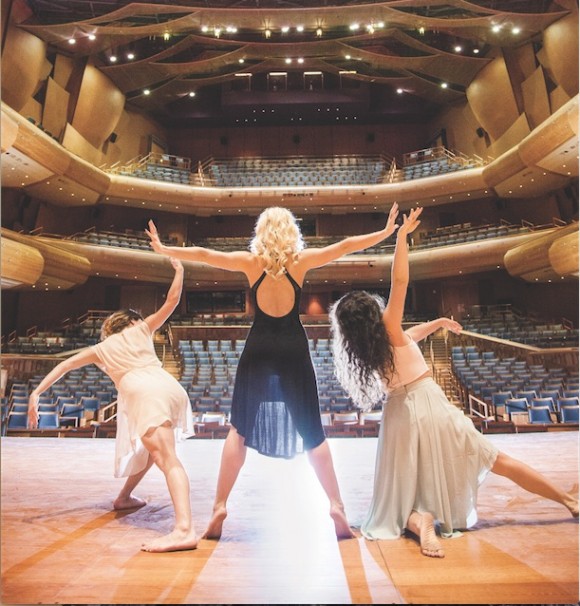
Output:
x,y
277,239
118,321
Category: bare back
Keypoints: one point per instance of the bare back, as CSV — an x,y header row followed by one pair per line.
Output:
x,y
275,296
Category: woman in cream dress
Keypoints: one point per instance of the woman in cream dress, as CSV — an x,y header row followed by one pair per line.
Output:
x,y
430,458
152,407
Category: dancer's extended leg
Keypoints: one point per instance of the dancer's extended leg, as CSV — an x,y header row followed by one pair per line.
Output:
x,y
423,525
125,498
233,458
321,459
533,481
160,442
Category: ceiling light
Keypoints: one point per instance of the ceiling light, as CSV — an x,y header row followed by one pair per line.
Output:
x,y
285,29
287,60
241,60
268,33
300,60
192,94
319,32
146,91
205,29
113,59
300,28
496,28
354,27
516,30
400,91
444,85
476,51
130,56
166,36
72,41
421,30
458,48
92,37
347,57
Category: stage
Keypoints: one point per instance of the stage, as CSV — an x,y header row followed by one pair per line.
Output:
x,y
63,544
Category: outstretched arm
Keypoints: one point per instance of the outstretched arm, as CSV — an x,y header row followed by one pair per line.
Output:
x,y
157,318
230,261
419,332
317,257
84,357
393,314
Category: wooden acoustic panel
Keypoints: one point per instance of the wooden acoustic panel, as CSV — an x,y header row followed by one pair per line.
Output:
x,y
20,264
8,133
54,116
536,100
563,254
531,260
62,269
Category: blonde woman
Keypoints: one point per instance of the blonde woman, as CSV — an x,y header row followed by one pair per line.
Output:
x,y
151,408
275,407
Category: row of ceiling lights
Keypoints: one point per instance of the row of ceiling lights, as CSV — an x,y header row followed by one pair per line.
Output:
x,y
371,27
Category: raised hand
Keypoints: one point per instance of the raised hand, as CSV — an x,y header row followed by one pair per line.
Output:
x,y
411,221
391,226
156,244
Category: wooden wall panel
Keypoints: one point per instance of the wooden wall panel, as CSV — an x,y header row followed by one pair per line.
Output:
x,y
461,126
32,109
91,120
558,98
76,143
23,65
491,84
133,131
561,48
536,100
55,108
63,67
517,130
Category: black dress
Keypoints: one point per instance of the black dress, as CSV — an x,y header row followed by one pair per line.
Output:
x,y
275,401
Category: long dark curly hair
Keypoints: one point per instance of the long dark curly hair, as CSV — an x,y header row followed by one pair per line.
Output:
x,y
363,355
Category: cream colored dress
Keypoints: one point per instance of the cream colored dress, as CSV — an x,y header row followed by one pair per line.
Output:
x,y
430,458
148,396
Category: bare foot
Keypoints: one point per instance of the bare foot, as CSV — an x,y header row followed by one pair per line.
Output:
x,y
430,545
177,540
341,525
129,502
214,528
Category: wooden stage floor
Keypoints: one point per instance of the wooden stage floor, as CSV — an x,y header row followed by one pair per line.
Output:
x,y
62,543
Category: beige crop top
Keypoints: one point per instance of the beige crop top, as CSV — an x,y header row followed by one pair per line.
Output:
x,y
409,364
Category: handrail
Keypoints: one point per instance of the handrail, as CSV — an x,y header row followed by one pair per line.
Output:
x,y
103,415
475,405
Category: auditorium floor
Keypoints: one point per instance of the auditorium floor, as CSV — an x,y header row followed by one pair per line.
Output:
x,y
62,543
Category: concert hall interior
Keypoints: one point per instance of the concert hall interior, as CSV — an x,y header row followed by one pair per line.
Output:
x,y
199,115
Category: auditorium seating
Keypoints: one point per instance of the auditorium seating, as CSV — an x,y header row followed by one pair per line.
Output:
x,y
297,171
512,386
505,322
434,161
462,233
